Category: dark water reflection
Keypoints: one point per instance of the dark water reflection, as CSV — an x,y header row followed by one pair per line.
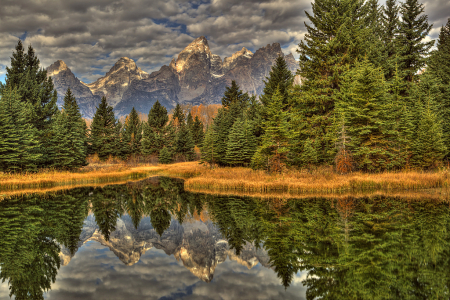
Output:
x,y
153,240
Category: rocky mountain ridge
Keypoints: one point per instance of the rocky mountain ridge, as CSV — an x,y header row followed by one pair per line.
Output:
x,y
197,76
199,246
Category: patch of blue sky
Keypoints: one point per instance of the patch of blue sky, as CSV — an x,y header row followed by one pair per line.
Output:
x,y
173,25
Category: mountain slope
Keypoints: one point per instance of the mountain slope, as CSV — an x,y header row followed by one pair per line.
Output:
x,y
63,78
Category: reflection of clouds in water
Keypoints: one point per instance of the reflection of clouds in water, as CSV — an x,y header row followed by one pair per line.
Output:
x,y
96,274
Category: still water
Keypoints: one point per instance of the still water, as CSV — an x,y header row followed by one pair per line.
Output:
x,y
153,240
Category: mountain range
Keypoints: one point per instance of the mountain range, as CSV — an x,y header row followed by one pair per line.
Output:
x,y
196,77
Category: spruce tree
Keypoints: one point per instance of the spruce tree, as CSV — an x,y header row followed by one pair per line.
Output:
x,y
208,146
439,68
197,131
165,157
413,28
178,116
273,150
279,77
429,147
337,37
133,133
235,144
190,121
390,23
33,87
19,145
153,138
234,94
150,143
157,116
184,143
61,151
75,131
103,131
363,101
250,141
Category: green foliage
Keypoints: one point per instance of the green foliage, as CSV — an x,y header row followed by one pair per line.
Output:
x,y
390,26
413,28
275,141
178,116
234,94
197,131
19,144
69,136
132,134
165,157
184,143
429,148
280,77
363,102
337,37
103,132
209,146
36,91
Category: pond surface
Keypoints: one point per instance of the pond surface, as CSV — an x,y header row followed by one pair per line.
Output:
x,y
153,240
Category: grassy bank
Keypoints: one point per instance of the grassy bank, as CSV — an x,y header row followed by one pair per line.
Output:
x,y
298,182
98,174
235,180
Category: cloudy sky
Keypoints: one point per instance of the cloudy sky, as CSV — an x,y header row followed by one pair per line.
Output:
x,y
91,35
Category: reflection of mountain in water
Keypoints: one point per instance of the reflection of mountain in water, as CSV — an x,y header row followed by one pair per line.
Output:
x,y
200,246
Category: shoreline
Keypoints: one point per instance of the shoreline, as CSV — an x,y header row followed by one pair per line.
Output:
x,y
234,180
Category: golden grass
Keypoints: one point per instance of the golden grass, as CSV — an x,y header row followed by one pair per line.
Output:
x,y
20,192
238,181
321,181
89,175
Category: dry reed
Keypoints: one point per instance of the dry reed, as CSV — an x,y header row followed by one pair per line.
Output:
x,y
90,175
232,180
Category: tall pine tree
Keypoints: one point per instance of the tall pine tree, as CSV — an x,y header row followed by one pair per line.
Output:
x,y
133,133
102,138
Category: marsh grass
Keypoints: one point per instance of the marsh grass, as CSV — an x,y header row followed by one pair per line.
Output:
x,y
235,180
93,174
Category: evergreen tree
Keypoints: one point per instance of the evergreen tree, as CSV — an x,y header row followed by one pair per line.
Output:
x,y
103,131
165,157
133,133
250,141
363,101
178,116
274,146
413,28
120,145
439,68
72,131
429,145
35,88
184,143
279,77
390,23
19,145
337,38
235,144
234,94
150,142
197,131
309,154
190,121
157,116
208,147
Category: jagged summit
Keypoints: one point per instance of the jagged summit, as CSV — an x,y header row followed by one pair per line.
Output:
x,y
195,76
114,84
56,67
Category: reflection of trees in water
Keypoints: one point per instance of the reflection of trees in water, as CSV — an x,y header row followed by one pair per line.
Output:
x,y
351,248
32,227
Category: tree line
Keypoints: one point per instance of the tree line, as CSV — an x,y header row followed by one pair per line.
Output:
x,y
35,134
373,96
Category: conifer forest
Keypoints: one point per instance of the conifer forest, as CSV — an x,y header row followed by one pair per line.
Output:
x,y
374,96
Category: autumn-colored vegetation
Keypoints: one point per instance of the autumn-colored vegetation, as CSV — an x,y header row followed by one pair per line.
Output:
x,y
239,180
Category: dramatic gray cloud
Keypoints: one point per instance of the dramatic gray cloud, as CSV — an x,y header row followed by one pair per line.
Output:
x,y
91,35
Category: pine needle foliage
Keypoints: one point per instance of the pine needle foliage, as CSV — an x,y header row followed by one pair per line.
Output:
x,y
103,133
